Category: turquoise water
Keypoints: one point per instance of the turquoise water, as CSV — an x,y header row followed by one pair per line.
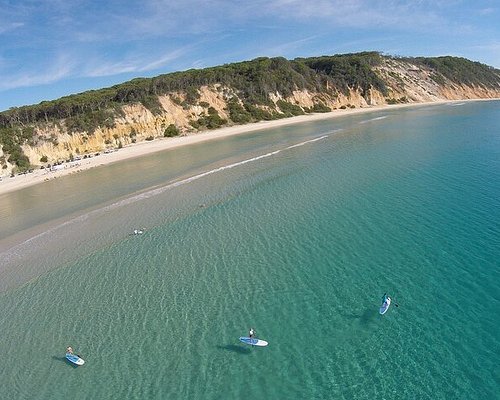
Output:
x,y
297,232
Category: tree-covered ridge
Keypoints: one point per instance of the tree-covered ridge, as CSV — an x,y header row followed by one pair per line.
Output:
x,y
254,90
349,71
253,80
460,71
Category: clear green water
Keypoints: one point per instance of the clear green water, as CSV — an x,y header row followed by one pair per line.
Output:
x,y
300,244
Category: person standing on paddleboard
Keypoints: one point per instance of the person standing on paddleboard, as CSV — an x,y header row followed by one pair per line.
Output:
x,y
251,333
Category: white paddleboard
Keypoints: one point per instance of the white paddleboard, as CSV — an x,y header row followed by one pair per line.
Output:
x,y
74,359
253,341
385,306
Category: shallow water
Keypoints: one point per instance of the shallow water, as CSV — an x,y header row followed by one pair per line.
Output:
x,y
297,232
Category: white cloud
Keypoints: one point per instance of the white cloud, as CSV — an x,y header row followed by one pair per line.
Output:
x,y
163,60
10,26
359,13
111,68
486,11
62,68
288,47
136,63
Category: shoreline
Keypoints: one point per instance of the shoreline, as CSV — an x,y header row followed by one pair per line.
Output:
x,y
38,176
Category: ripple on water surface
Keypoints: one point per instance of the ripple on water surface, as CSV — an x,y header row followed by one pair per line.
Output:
x,y
299,243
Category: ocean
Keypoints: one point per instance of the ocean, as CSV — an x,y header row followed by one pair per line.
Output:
x,y
295,231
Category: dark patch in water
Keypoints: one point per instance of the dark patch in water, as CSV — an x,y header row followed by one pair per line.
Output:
x,y
235,348
368,316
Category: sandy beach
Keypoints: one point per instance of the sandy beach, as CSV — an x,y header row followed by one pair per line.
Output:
x,y
9,184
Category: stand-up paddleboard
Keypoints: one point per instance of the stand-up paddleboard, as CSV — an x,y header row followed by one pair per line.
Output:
x,y
74,359
253,341
385,306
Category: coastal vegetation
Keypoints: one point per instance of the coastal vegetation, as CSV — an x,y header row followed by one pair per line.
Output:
x,y
171,131
459,70
237,93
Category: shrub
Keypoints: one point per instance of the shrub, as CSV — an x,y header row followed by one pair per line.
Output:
x,y
320,108
212,120
289,109
237,113
195,123
257,113
18,158
171,131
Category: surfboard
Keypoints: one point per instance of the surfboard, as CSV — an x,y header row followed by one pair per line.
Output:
x,y
74,359
385,306
253,341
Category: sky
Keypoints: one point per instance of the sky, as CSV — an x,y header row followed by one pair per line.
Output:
x,y
53,48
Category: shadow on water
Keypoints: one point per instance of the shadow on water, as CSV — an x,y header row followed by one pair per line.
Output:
x,y
235,348
366,318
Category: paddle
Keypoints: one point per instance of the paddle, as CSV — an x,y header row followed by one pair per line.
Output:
x,y
394,302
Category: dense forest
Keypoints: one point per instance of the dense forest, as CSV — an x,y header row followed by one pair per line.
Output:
x,y
251,83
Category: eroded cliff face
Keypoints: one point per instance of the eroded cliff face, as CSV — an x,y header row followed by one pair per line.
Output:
x,y
416,84
405,82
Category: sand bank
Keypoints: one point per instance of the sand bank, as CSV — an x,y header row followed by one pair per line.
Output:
x,y
8,184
